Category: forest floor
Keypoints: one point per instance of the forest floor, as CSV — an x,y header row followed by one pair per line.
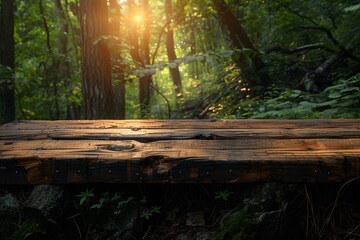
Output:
x,y
181,211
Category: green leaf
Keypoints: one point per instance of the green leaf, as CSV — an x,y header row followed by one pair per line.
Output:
x,y
100,204
295,93
156,209
146,214
334,95
350,89
224,195
143,200
84,196
352,8
328,103
307,104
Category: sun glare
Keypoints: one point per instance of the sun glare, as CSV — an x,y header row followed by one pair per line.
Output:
x,y
138,18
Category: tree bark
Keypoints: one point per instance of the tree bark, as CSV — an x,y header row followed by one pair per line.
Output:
x,y
64,66
96,65
7,62
170,48
145,82
116,58
252,67
52,75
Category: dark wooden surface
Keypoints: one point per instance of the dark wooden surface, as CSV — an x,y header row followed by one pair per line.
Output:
x,y
179,151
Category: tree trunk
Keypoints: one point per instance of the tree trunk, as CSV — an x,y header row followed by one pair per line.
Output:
x,y
64,66
7,62
141,54
194,70
174,72
116,58
145,82
96,65
252,67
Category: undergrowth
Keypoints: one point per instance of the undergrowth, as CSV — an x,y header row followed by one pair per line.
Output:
x,y
341,100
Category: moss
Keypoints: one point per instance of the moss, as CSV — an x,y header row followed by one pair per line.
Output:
x,y
237,227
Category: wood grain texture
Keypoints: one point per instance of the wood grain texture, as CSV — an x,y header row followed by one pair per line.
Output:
x,y
179,151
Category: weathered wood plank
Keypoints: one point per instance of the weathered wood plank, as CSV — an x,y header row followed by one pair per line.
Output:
x,y
60,152
145,135
179,124
69,161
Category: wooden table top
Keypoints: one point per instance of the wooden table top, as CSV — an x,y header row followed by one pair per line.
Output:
x,y
179,151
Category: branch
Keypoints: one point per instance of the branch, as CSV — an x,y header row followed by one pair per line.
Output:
x,y
328,33
158,42
299,14
71,27
298,49
167,101
310,78
47,31
335,41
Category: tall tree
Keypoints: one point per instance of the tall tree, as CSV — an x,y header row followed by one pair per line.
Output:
x,y
252,67
98,92
170,48
140,53
7,61
62,63
119,81
51,73
145,82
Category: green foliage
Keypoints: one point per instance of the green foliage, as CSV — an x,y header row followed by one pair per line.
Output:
x,y
15,226
224,195
101,214
48,81
148,213
85,196
338,101
355,7
34,225
115,203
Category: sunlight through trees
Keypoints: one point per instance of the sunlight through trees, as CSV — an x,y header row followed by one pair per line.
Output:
x,y
179,59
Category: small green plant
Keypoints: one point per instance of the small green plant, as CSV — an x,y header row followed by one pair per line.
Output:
x,y
122,203
115,203
224,195
86,195
147,213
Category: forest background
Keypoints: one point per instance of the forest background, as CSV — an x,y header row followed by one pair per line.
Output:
x,y
70,59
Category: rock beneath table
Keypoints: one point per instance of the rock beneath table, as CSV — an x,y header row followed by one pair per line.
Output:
x,y
9,202
270,224
45,206
195,219
191,235
50,200
126,225
206,235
